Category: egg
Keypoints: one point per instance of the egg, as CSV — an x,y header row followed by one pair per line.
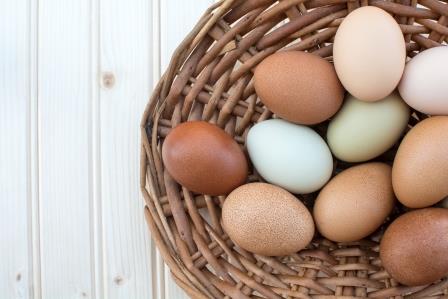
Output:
x,y
369,53
361,130
288,155
420,169
424,85
355,202
414,247
204,158
267,220
299,87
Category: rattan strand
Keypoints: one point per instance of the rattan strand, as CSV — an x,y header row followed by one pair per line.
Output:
x,y
210,78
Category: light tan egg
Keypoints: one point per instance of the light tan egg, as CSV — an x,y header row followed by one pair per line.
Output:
x,y
420,170
355,202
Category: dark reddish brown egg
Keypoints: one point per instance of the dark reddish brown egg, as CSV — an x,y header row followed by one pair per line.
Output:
x,y
299,87
414,247
204,158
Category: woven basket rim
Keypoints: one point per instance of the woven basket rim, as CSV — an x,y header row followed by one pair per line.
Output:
x,y
423,27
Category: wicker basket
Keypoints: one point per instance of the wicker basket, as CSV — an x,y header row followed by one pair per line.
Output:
x,y
210,78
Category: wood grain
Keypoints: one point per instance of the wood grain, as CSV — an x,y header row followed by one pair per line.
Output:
x,y
126,81
65,157
15,244
74,79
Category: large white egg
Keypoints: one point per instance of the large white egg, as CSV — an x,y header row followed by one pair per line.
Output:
x,y
424,85
369,53
291,156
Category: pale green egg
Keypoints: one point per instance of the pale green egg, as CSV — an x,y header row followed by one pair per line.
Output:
x,y
361,130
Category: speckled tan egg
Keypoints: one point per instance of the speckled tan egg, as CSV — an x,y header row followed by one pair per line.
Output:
x,y
414,247
355,202
267,220
204,158
299,87
420,169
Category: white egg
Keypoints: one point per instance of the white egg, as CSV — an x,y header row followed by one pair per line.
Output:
x,y
291,156
424,85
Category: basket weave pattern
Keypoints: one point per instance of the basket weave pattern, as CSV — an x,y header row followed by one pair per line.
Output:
x,y
210,78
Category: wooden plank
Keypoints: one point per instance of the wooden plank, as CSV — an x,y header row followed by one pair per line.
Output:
x,y
126,75
15,248
65,155
178,17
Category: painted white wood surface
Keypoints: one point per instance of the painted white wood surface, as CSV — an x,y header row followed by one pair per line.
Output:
x,y
65,149
15,236
74,78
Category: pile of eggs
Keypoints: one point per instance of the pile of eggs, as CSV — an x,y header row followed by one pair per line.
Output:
x,y
302,90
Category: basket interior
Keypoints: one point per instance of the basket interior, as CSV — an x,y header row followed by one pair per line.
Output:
x,y
210,78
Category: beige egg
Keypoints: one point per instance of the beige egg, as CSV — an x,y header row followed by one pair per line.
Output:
x,y
267,220
355,202
420,170
369,53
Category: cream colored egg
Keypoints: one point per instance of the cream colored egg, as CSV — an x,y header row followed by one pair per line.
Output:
x,y
424,85
369,53
364,130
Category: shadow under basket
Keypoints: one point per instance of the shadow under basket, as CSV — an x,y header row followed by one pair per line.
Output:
x,y
210,78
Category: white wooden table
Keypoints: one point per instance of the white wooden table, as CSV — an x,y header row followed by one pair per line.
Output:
x,y
75,76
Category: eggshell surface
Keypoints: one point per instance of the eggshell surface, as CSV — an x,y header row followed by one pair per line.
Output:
x,y
414,247
361,130
420,169
369,53
267,220
204,158
288,155
299,87
355,202
424,85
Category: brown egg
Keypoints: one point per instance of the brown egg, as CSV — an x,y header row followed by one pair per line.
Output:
x,y
420,170
414,247
267,220
355,202
204,158
299,87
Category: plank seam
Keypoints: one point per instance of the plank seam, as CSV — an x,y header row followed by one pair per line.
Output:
x,y
34,155
96,232
157,263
